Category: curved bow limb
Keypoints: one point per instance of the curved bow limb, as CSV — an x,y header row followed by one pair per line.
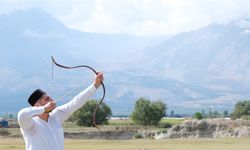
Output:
x,y
84,66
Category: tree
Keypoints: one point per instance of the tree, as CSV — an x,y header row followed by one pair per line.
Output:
x,y
147,112
213,114
171,113
84,116
242,108
198,116
216,114
225,114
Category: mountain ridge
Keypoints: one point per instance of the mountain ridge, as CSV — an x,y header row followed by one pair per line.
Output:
x,y
200,69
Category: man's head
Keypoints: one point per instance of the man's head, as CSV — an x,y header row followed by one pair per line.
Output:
x,y
39,98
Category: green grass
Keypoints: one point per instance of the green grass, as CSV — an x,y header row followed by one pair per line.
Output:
x,y
121,122
130,122
177,144
172,121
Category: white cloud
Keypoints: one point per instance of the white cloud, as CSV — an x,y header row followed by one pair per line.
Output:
x,y
140,17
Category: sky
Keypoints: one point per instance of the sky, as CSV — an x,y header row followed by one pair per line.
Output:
x,y
136,17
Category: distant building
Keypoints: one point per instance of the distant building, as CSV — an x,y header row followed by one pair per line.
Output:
x,y
3,123
12,123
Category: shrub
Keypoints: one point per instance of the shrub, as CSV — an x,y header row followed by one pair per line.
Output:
x,y
138,135
84,116
241,108
198,116
147,112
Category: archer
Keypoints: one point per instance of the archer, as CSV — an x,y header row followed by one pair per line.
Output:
x,y
41,124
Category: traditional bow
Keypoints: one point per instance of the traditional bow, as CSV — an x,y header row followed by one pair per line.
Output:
x,y
84,66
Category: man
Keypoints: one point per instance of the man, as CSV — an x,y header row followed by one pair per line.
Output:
x,y
41,124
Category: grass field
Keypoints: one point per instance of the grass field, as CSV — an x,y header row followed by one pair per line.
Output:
x,y
178,144
130,122
112,125
146,144
123,124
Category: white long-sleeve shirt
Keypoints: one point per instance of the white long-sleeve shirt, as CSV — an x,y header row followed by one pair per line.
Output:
x,y
41,135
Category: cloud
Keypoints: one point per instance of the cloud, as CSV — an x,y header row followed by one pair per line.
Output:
x,y
6,73
137,17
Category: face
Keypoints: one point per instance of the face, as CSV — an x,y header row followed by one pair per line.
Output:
x,y
43,100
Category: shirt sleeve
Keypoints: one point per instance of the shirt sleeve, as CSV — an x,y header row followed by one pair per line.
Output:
x,y
25,116
63,112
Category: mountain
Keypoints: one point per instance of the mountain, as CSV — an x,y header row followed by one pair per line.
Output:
x,y
216,49
35,33
203,69
215,57
29,38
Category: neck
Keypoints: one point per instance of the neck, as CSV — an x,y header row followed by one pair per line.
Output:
x,y
44,116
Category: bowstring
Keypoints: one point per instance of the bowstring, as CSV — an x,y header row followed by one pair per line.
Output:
x,y
66,94
52,71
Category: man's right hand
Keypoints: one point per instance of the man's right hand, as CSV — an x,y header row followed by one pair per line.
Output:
x,y
49,107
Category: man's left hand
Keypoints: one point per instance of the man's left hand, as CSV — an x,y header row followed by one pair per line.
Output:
x,y
98,79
